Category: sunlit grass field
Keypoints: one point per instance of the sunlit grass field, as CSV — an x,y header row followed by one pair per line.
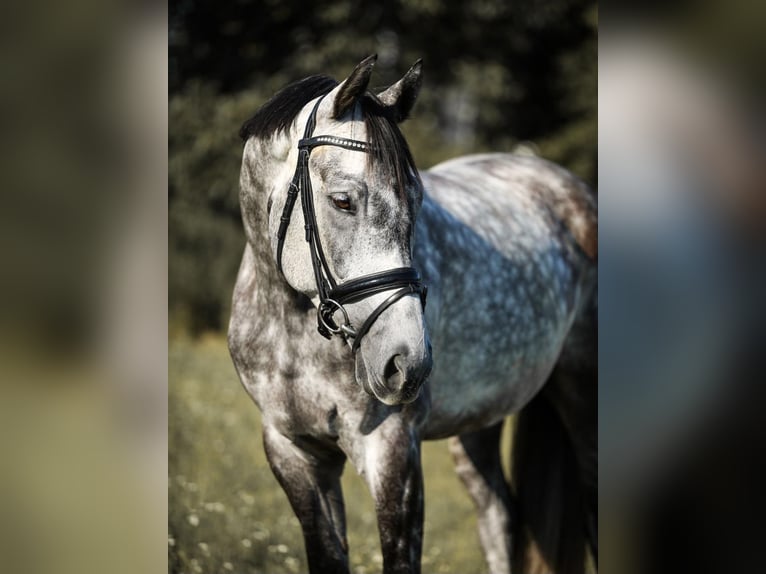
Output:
x,y
228,514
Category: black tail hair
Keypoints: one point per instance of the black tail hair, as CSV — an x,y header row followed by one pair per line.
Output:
x,y
549,534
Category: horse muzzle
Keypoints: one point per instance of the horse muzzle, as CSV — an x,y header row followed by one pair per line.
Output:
x,y
402,377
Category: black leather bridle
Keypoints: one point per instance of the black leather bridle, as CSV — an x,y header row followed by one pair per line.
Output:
x,y
332,296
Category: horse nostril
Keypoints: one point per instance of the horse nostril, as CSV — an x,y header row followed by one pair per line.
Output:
x,y
393,374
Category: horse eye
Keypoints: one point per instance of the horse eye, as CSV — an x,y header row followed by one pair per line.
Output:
x,y
342,202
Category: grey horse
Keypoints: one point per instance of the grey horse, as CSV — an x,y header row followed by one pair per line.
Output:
x,y
507,247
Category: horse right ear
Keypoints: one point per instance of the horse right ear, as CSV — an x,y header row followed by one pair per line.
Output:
x,y
402,95
353,87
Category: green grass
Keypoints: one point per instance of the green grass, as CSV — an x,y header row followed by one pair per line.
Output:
x,y
228,514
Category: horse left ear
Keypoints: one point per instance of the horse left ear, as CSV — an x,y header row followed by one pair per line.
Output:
x,y
402,95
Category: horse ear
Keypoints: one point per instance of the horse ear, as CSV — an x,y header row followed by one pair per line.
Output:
x,y
353,87
402,95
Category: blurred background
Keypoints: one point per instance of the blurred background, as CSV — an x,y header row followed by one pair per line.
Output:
x,y
682,273
498,76
83,287
102,234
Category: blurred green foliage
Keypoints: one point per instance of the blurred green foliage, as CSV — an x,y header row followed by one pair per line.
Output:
x,y
497,75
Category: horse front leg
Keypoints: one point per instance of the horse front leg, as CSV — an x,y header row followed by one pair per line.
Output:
x,y
311,480
390,464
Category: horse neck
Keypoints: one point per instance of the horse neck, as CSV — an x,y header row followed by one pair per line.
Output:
x,y
262,162
432,225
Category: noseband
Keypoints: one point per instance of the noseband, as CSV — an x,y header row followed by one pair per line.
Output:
x,y
332,296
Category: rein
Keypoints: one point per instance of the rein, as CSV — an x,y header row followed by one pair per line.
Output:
x,y
333,296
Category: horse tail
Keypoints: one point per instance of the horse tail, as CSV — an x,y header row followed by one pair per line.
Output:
x,y
554,461
549,526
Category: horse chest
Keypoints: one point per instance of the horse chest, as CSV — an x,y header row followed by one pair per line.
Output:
x,y
296,382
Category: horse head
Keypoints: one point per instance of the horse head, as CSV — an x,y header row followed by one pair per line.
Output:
x,y
349,246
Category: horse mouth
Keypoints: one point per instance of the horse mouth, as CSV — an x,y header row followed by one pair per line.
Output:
x,y
408,393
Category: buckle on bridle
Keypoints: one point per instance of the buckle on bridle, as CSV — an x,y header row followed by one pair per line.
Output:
x,y
327,326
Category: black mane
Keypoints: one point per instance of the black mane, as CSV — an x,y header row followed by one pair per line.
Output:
x,y
389,148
